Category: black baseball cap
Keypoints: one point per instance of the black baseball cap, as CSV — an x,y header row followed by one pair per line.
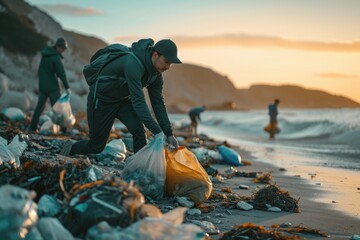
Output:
x,y
62,43
168,49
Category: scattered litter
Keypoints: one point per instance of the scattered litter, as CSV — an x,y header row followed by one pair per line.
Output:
x,y
264,178
13,114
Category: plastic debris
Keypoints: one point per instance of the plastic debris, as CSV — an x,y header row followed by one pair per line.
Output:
x,y
147,168
17,212
13,114
48,206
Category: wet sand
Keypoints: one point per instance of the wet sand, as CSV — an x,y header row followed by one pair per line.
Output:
x,y
317,209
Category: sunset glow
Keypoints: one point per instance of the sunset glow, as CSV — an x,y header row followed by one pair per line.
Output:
x,y
305,43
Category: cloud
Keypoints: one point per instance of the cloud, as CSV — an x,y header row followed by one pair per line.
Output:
x,y
244,40
337,75
72,10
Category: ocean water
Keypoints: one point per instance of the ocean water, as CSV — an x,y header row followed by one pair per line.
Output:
x,y
321,137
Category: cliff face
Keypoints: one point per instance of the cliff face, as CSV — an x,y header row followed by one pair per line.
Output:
x,y
291,96
25,30
188,85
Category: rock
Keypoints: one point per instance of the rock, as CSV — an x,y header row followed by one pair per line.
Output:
x,y
216,221
21,100
217,179
244,187
274,209
231,170
183,201
208,227
194,212
219,215
286,225
244,206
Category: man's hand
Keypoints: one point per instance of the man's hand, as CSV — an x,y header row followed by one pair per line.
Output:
x,y
68,91
173,143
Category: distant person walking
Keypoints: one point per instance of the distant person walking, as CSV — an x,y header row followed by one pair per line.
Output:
x,y
272,127
194,115
50,69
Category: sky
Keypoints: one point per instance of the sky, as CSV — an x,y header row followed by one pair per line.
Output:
x,y
313,44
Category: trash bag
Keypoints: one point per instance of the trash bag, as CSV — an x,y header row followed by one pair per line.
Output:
x,y
272,128
94,173
167,227
48,206
115,148
6,156
61,112
49,128
158,228
14,114
51,228
214,155
43,119
230,156
185,176
17,147
147,168
17,212
200,152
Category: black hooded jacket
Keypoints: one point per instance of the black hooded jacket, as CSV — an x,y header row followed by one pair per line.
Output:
x,y
126,76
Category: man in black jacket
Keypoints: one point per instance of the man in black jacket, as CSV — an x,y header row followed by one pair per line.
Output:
x,y
50,69
118,93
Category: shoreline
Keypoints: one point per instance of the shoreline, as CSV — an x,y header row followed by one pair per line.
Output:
x,y
341,186
316,213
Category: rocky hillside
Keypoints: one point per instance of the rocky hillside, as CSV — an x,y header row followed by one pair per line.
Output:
x,y
25,30
188,85
258,96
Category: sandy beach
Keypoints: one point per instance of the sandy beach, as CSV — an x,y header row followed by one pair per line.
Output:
x,y
327,197
317,210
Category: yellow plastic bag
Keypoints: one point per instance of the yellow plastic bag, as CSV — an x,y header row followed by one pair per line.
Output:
x,y
272,128
185,176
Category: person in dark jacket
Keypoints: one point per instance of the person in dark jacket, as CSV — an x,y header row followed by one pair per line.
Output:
x,y
273,112
118,93
50,69
194,115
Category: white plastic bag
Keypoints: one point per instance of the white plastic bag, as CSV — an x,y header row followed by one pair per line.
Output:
x,y
114,148
11,153
147,168
6,156
49,128
17,147
61,112
14,114
167,227
17,212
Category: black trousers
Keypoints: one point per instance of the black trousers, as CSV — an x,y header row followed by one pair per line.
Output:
x,y
43,96
101,116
